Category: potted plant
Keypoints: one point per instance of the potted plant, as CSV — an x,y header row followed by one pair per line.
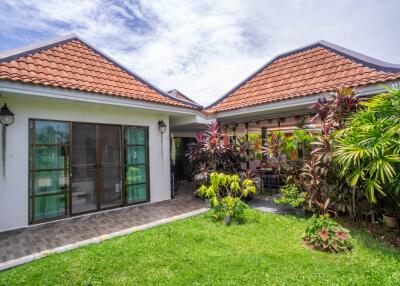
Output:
x,y
391,218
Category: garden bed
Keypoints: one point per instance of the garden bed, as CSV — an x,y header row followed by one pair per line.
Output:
x,y
378,230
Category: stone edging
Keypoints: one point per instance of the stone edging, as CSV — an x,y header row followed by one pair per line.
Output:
x,y
64,248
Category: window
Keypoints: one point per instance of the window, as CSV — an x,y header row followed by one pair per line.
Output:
x,y
49,169
77,167
136,165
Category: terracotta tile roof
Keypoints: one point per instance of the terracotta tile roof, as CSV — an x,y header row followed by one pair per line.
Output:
x,y
314,69
73,64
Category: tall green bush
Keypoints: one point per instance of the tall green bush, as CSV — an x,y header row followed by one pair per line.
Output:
x,y
368,147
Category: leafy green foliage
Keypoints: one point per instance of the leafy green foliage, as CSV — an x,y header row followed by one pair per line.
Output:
x,y
368,149
292,196
225,193
325,234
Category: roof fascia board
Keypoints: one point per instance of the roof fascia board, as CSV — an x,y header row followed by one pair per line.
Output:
x,y
309,99
282,104
75,95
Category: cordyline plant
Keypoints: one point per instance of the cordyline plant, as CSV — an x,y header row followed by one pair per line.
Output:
x,y
319,173
226,193
213,151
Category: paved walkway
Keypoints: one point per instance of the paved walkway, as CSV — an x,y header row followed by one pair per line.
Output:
x,y
24,245
266,204
40,238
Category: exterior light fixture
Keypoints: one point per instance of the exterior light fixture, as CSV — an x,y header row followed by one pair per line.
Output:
x,y
6,116
162,127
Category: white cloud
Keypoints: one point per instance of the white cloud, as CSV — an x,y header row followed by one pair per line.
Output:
x,y
204,48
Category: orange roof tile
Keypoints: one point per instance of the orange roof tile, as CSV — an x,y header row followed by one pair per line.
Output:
x,y
317,68
73,64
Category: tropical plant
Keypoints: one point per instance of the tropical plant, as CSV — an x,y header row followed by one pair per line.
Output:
x,y
213,151
325,234
291,195
368,147
319,173
226,193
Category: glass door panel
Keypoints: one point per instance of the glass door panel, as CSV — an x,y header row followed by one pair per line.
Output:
x,y
84,168
110,165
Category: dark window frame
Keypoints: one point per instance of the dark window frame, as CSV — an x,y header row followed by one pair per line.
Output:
x,y
68,191
146,164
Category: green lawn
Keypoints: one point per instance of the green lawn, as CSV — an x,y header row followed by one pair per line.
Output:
x,y
268,250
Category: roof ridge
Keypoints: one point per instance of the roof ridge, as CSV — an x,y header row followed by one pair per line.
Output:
x,y
349,54
12,54
176,91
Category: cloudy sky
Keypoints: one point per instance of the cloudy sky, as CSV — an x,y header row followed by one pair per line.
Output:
x,y
204,48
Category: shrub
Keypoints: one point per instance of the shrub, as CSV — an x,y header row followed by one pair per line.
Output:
x,y
225,193
213,151
325,234
292,196
368,149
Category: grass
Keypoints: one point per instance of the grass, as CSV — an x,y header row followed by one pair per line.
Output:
x,y
267,250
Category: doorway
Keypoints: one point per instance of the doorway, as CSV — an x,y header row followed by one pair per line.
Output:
x,y
96,163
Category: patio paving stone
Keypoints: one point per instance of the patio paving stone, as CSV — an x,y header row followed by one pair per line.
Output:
x,y
27,241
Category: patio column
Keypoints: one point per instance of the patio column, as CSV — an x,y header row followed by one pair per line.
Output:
x,y
246,130
264,141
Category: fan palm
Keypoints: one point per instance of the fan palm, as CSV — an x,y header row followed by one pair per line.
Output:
x,y
368,147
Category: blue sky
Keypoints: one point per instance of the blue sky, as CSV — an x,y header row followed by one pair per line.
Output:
x,y
204,48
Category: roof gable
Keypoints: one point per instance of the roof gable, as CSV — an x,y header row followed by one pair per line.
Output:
x,y
69,62
313,69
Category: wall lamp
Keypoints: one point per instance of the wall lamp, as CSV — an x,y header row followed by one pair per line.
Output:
x,y
6,116
162,127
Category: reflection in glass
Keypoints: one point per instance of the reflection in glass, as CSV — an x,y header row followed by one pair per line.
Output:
x,y
54,157
136,193
135,174
51,132
135,135
135,155
49,206
51,181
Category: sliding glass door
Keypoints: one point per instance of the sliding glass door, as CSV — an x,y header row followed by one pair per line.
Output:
x,y
96,167
110,166
77,168
83,168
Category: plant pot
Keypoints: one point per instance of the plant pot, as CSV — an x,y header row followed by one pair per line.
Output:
x,y
299,212
227,219
390,222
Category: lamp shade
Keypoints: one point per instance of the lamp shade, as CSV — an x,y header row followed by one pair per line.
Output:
x,y
161,126
6,116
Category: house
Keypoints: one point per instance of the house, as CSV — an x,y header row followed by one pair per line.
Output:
x,y
89,135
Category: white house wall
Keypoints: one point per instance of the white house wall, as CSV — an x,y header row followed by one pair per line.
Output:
x,y
14,192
